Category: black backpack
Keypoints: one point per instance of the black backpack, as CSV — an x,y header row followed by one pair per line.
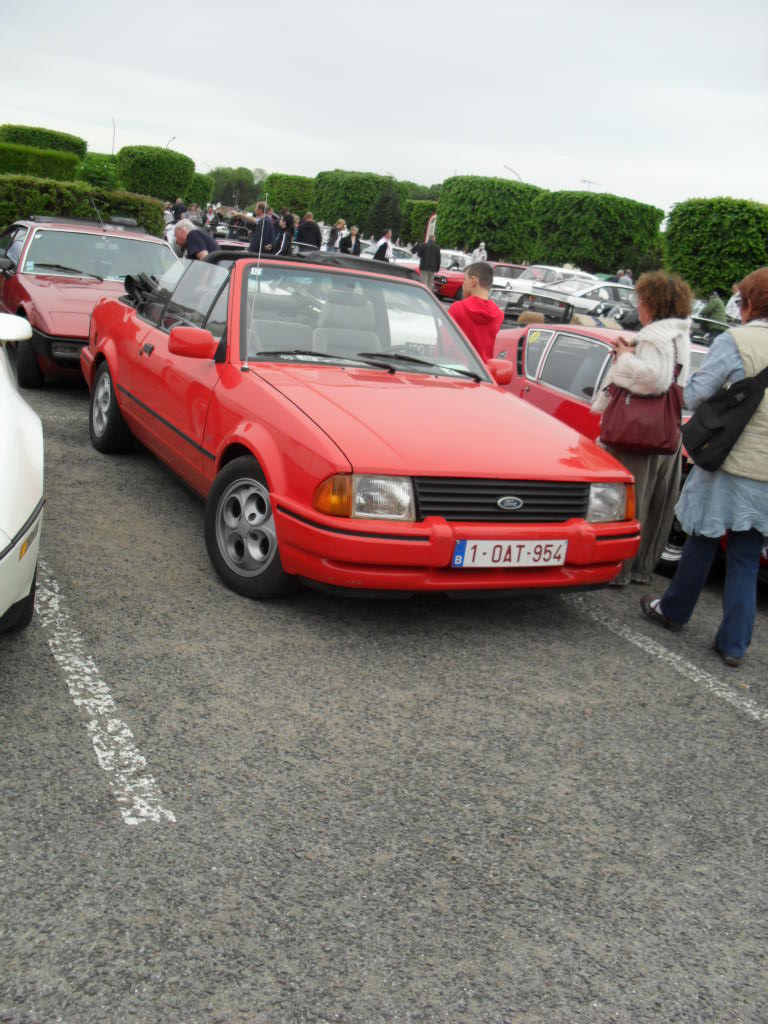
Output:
x,y
715,427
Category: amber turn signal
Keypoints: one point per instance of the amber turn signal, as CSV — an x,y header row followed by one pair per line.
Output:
x,y
334,496
631,508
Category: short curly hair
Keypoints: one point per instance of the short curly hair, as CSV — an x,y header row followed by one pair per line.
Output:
x,y
665,296
754,291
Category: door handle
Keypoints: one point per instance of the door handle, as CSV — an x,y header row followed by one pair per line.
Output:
x,y
148,348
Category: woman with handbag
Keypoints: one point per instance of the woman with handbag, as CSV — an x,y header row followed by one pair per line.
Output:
x,y
732,499
640,397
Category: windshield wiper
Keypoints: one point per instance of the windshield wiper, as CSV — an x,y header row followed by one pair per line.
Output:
x,y
421,362
67,270
324,355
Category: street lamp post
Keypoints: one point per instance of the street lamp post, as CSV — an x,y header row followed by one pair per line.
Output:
x,y
513,171
169,141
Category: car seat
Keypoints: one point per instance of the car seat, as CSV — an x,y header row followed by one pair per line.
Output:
x,y
347,325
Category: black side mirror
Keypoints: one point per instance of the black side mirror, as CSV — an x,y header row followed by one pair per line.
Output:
x,y
6,264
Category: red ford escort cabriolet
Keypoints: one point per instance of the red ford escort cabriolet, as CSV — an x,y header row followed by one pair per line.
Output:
x,y
344,433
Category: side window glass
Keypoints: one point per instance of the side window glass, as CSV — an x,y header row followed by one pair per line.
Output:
x,y
574,364
194,295
534,350
217,318
11,243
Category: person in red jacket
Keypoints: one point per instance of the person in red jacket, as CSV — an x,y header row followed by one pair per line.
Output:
x,y
476,314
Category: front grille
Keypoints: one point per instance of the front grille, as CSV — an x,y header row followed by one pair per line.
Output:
x,y
543,501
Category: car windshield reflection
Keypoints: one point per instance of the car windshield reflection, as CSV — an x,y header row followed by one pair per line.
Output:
x,y
290,314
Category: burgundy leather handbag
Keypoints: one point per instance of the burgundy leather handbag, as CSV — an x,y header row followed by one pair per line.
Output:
x,y
645,424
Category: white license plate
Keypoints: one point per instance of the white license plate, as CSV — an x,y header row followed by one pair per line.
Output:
x,y
508,554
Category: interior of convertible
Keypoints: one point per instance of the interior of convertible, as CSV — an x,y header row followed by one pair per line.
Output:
x,y
329,313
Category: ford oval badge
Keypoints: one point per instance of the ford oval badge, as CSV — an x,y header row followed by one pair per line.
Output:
x,y
511,503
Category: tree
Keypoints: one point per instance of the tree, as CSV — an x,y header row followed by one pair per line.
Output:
x,y
385,211
234,186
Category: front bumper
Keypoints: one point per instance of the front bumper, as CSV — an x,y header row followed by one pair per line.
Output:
x,y
57,355
390,556
18,560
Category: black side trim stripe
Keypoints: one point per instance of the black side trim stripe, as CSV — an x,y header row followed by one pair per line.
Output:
x,y
170,426
23,530
618,536
350,533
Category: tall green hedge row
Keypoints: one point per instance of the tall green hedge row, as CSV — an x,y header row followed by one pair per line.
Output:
x,y
154,171
415,216
199,189
42,138
496,211
43,163
355,196
714,242
22,196
98,169
293,191
596,231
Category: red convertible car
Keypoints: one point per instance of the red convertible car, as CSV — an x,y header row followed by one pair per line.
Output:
x,y
343,432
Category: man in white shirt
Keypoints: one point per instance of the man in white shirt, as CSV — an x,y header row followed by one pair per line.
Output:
x,y
384,247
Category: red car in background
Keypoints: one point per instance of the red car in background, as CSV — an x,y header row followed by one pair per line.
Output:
x,y
53,271
558,368
344,432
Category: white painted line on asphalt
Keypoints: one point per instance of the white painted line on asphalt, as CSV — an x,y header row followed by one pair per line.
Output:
x,y
685,668
135,790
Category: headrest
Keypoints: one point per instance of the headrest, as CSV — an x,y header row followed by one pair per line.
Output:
x,y
349,310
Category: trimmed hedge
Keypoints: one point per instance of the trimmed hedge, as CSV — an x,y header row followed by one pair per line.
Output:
x,y
154,171
293,191
596,231
43,138
714,242
40,163
496,211
200,189
415,216
22,196
353,196
98,169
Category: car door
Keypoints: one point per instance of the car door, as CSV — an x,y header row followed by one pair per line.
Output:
x,y
567,377
11,244
530,352
170,394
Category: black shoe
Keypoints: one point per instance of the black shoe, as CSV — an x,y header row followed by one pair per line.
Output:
x,y
646,604
731,660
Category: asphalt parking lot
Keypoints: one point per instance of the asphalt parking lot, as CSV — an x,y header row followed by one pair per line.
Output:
x,y
541,809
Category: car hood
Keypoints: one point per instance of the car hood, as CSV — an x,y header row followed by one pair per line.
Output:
x,y
21,456
64,304
418,425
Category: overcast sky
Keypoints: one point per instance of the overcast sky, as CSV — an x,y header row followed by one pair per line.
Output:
x,y
659,101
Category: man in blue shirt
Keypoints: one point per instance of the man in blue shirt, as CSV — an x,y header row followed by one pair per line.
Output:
x,y
194,243
263,237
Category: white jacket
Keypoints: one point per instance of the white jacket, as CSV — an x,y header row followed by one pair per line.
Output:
x,y
650,368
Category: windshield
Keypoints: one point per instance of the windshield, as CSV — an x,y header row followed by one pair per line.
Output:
x,y
510,272
319,316
85,254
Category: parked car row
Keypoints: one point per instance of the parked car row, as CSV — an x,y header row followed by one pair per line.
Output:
x,y
341,429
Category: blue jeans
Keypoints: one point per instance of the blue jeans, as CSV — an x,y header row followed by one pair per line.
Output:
x,y
742,560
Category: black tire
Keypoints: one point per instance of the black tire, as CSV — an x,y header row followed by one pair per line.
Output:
x,y
109,431
28,372
25,609
240,532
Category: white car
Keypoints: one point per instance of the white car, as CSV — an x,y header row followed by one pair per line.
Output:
x,y
399,255
21,487
509,293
